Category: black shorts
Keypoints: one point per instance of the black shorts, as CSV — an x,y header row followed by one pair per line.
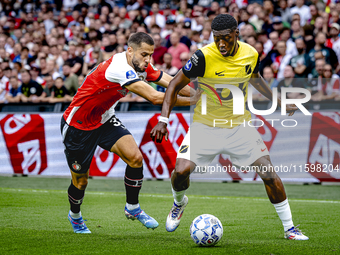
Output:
x,y
80,145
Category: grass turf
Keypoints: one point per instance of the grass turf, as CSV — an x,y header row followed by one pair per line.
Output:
x,y
33,219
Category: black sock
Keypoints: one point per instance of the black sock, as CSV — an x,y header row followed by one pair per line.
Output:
x,y
133,183
75,197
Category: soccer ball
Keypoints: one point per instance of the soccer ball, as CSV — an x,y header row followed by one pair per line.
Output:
x,y
206,230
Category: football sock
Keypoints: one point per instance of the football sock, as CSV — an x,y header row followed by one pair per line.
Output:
x,y
178,196
75,197
75,215
283,210
131,207
133,180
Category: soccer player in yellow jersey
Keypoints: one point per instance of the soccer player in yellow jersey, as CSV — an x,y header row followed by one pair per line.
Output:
x,y
236,63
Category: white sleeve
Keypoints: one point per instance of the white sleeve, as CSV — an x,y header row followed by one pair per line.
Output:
x,y
124,75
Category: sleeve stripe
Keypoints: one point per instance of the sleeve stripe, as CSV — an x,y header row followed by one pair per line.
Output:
x,y
159,77
131,81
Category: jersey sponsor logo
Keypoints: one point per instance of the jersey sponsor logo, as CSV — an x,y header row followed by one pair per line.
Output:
x,y
76,166
194,59
219,73
248,69
130,74
188,65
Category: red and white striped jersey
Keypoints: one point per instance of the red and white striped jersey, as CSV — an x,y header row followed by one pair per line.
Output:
x,y
101,90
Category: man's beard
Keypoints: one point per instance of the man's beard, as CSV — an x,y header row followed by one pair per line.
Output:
x,y
136,65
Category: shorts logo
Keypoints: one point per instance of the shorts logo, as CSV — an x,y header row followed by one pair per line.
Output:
x,y
188,65
76,166
130,74
184,149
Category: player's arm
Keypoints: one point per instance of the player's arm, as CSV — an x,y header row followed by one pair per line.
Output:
x,y
194,68
144,90
176,84
258,83
165,80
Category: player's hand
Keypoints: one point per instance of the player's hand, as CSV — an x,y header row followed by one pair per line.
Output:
x,y
291,108
159,131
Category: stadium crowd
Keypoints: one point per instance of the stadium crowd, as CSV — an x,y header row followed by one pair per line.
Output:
x,y
48,47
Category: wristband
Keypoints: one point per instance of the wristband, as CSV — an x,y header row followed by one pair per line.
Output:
x,y
163,119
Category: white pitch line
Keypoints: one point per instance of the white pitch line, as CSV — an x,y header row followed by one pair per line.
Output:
x,y
168,196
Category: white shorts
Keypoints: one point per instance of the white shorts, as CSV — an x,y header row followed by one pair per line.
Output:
x,y
202,143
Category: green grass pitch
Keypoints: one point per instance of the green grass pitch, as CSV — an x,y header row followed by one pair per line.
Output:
x,y
33,218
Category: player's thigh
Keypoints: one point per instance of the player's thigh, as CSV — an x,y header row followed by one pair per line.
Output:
x,y
200,145
127,149
118,139
80,146
245,146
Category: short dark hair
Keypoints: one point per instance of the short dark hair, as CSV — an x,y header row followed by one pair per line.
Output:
x,y
137,39
223,21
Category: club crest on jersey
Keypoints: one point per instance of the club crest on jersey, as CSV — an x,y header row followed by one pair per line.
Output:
x,y
123,92
76,166
184,149
188,65
130,74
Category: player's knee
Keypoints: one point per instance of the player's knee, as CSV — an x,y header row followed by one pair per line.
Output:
x,y
182,170
81,183
136,160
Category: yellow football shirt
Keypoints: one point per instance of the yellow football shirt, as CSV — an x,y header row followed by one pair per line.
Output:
x,y
211,68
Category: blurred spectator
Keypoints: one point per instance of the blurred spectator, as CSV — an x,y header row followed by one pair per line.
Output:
x,y
281,60
285,36
49,83
97,58
167,67
184,57
268,76
34,72
23,57
14,94
267,44
155,17
326,52
159,50
301,61
334,41
4,85
31,90
284,11
70,79
75,62
302,10
59,92
289,82
176,49
329,87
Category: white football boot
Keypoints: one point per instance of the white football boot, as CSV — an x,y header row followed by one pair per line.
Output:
x,y
295,234
175,214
